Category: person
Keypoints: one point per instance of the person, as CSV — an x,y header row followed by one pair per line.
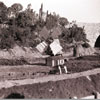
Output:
x,y
61,68
78,50
60,71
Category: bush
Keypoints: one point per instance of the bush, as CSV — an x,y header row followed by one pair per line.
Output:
x,y
73,33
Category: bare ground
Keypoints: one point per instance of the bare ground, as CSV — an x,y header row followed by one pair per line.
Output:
x,y
67,88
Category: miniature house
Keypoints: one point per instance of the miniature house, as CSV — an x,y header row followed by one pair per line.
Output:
x,y
55,61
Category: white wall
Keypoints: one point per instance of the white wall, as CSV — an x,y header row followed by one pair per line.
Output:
x,y
92,31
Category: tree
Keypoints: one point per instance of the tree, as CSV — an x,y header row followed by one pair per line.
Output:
x,y
6,39
51,21
73,33
63,21
14,10
3,12
26,18
16,7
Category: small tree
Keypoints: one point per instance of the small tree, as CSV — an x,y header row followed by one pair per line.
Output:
x,y
7,41
3,12
51,21
26,18
63,21
74,32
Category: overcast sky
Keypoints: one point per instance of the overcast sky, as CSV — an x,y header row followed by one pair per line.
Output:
x,y
79,10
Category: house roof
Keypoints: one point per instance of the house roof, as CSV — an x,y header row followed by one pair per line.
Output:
x,y
44,33
56,32
55,47
42,46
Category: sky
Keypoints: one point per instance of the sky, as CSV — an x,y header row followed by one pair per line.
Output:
x,y
79,10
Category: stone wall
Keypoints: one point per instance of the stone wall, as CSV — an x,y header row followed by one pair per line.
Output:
x,y
92,30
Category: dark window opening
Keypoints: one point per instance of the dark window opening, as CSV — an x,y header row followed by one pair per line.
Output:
x,y
15,96
97,43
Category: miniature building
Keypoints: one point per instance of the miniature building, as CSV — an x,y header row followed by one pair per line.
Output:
x,y
42,46
55,61
55,47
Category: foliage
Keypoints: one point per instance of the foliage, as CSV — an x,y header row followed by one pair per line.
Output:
x,y
73,33
3,12
63,21
24,27
51,21
6,40
16,7
26,18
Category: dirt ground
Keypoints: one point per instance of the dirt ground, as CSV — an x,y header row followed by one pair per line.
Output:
x,y
20,69
83,64
96,81
79,87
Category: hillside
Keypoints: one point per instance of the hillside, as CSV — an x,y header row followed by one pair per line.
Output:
x,y
26,29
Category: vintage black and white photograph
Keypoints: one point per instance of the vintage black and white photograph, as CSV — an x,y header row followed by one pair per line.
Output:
x,y
49,49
